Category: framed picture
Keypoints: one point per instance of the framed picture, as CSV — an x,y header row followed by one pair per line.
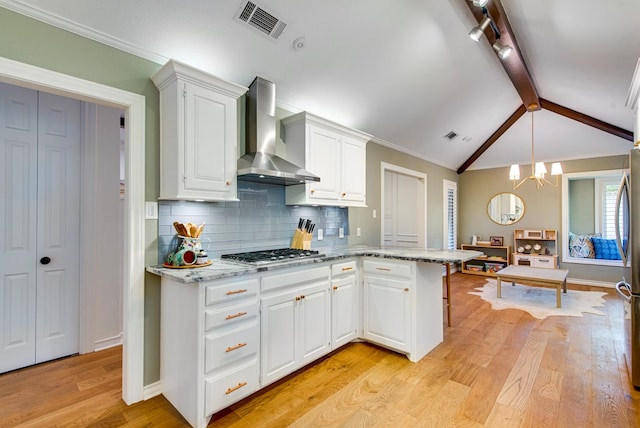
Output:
x,y
496,240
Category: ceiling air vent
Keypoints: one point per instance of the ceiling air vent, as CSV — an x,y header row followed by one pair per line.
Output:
x,y
260,19
451,136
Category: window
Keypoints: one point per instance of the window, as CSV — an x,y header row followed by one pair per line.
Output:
x,y
606,190
588,207
450,235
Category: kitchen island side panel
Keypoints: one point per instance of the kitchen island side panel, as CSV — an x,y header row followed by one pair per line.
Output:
x,y
428,308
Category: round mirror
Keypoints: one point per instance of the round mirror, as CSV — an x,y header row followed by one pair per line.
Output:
x,y
505,208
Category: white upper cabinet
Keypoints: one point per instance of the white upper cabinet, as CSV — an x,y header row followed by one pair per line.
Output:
x,y
198,134
333,152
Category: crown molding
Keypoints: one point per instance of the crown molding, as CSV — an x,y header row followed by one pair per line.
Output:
x,y
81,30
634,89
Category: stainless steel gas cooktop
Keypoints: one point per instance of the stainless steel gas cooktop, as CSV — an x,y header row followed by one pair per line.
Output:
x,y
271,256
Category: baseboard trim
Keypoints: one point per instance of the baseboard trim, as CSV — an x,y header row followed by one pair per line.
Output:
x,y
109,342
152,390
588,282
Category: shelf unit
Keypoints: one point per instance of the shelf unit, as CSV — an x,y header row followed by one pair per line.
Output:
x,y
546,257
495,257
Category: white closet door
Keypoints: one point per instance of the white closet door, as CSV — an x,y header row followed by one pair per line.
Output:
x,y
58,227
18,198
404,210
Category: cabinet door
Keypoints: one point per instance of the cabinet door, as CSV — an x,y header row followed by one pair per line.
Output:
x,y
387,312
344,309
210,148
324,161
354,173
278,333
315,322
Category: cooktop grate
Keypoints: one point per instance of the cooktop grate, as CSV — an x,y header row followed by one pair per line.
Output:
x,y
277,255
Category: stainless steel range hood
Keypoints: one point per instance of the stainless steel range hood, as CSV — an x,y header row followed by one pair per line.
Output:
x,y
261,164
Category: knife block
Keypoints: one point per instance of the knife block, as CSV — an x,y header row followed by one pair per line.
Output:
x,y
301,240
306,241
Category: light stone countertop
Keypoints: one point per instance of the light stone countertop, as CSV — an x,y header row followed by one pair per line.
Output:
x,y
220,268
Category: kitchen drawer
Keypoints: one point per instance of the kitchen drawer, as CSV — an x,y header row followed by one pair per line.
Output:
x,y
226,388
345,268
229,315
386,268
230,291
229,346
295,276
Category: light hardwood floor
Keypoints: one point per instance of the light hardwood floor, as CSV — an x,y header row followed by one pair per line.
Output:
x,y
494,369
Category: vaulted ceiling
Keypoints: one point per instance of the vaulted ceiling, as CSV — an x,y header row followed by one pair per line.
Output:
x,y
405,71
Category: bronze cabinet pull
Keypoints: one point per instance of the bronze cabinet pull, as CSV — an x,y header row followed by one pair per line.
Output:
x,y
239,314
229,293
238,386
233,348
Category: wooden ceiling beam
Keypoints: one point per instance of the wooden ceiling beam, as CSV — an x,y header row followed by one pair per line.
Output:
x,y
587,120
512,119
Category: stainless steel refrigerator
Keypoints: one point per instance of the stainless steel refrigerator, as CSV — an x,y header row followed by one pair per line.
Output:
x,y
627,228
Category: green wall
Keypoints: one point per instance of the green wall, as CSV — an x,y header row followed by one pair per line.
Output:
x,y
582,204
32,42
543,209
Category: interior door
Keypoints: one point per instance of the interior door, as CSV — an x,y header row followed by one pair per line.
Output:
x,y
58,226
404,210
18,199
39,217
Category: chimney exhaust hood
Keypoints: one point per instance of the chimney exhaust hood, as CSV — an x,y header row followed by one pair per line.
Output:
x,y
261,164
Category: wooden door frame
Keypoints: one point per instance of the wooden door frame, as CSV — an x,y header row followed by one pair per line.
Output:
x,y
422,177
28,76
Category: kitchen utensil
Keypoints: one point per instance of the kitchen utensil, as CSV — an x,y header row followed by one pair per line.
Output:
x,y
188,230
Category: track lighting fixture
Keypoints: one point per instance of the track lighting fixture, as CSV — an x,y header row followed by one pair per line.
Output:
x,y
480,3
476,33
503,50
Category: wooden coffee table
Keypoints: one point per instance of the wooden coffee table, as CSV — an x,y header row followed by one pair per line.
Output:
x,y
534,276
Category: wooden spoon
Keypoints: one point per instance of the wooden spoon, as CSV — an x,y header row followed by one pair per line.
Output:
x,y
176,226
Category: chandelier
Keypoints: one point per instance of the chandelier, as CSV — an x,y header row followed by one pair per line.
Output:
x,y
538,169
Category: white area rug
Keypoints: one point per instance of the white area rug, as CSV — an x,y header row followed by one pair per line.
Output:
x,y
541,302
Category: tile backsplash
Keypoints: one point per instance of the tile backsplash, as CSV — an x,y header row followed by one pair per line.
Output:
x,y
260,220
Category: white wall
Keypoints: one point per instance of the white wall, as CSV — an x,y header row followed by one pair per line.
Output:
x,y
107,270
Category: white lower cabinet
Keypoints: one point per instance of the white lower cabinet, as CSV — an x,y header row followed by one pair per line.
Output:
x,y
388,292
223,340
402,305
295,320
210,344
345,303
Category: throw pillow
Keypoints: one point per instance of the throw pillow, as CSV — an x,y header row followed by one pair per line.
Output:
x,y
606,249
581,246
